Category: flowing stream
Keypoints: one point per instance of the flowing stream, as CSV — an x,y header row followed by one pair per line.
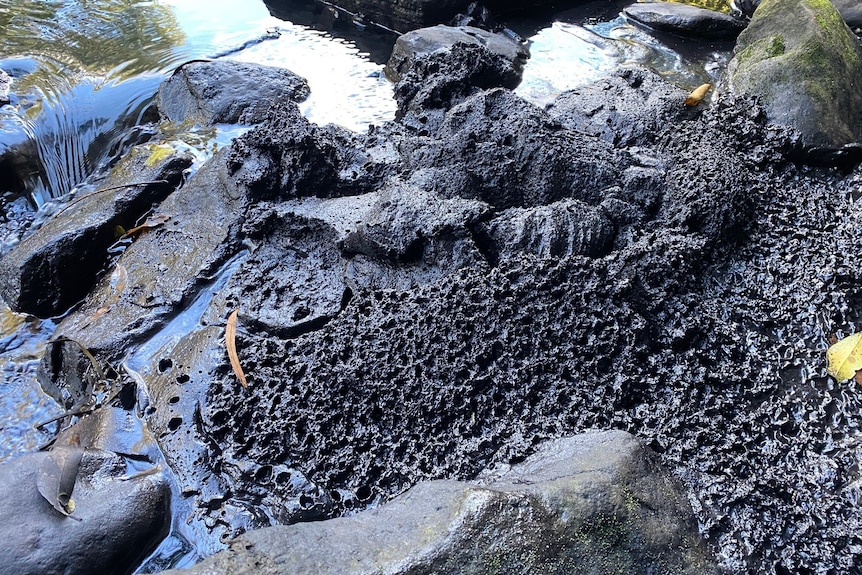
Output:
x,y
85,73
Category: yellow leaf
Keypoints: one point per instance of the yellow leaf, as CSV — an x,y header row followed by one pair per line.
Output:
x,y
230,342
844,358
697,95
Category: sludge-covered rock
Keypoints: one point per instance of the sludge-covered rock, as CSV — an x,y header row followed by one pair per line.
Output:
x,y
594,503
497,148
435,68
557,230
227,92
287,156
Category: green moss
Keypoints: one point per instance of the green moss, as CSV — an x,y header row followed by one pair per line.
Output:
x,y
776,47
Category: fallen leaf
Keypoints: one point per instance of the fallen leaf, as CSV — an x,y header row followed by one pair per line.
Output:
x,y
153,221
56,476
697,95
844,357
230,342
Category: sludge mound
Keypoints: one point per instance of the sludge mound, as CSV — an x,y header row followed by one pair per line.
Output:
x,y
426,303
682,289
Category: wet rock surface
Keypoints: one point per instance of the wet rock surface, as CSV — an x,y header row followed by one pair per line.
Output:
x,y
227,92
851,12
57,265
115,523
596,503
685,20
805,65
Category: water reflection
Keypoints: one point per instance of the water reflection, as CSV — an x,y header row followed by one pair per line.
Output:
x,y
567,55
85,72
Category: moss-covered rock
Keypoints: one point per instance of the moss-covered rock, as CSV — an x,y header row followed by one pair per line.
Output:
x,y
803,63
594,503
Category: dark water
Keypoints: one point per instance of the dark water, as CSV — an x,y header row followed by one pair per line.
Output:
x,y
85,74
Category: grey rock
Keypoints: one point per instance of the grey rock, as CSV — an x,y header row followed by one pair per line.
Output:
x,y
685,20
58,264
114,525
227,92
805,66
626,109
420,43
594,503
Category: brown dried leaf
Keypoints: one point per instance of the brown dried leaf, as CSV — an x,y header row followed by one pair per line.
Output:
x,y
151,222
697,95
230,342
56,476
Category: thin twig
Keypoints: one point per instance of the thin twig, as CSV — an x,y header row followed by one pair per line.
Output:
x,y
109,189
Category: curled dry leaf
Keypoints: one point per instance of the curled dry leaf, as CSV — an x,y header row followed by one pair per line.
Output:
x,y
151,222
55,479
844,357
230,343
697,95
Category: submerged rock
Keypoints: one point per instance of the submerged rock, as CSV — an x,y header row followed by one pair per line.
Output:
x,y
117,519
805,66
685,20
596,503
58,264
227,92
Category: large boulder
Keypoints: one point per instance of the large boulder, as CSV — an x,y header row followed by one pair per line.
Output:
x,y
227,92
850,10
413,45
685,20
116,519
805,66
595,503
